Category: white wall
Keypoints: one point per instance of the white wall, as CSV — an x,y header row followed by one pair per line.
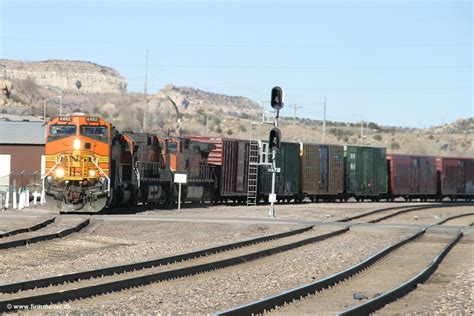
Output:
x,y
4,171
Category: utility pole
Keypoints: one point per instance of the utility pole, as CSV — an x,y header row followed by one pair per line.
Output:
x,y
145,92
361,126
324,121
295,108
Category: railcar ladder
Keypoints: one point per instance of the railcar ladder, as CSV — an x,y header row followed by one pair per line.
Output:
x,y
253,173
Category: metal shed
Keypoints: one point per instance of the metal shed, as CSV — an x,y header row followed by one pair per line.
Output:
x,y
21,152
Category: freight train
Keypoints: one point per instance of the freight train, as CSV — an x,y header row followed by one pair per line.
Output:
x,y
91,166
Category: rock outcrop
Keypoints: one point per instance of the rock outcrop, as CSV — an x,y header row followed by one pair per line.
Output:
x,y
66,75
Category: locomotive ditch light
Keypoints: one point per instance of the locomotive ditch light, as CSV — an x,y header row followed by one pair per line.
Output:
x,y
277,100
92,173
60,173
274,140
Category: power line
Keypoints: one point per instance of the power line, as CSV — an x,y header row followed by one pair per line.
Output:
x,y
107,41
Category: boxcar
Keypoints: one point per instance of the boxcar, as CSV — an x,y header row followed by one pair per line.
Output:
x,y
365,170
411,176
456,177
322,171
231,156
287,184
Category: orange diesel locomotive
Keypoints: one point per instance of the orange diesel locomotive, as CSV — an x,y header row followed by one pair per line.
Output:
x,y
77,163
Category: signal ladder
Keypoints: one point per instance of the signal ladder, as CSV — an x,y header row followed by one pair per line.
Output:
x,y
253,173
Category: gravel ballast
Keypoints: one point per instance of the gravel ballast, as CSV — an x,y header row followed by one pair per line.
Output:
x,y
221,289
448,292
102,244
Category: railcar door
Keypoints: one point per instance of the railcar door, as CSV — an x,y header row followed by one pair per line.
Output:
x,y
461,185
416,175
323,168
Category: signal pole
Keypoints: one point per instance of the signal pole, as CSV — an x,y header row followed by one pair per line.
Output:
x,y
145,92
276,102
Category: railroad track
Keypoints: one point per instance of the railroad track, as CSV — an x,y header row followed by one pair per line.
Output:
x,y
459,220
351,281
27,229
24,236
99,281
374,215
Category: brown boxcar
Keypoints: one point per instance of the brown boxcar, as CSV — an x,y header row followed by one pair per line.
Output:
x,y
411,176
322,171
232,157
456,177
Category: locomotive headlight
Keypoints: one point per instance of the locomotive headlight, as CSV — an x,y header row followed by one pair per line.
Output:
x,y
60,173
92,173
77,144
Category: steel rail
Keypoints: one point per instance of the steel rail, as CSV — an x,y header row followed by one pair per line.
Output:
x,y
28,229
404,209
454,217
118,285
270,303
403,289
71,277
35,239
296,293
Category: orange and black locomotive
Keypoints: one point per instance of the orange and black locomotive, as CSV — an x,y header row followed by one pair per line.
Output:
x,y
91,166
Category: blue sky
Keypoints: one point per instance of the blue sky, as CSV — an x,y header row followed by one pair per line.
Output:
x,y
406,63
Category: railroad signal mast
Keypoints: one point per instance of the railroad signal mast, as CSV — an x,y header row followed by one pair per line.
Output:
x,y
277,102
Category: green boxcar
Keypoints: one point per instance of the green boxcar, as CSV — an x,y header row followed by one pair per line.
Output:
x,y
288,181
365,171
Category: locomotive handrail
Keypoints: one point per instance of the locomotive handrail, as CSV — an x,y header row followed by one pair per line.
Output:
x,y
140,165
105,175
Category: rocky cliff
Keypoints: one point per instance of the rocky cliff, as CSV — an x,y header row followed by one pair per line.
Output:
x,y
66,75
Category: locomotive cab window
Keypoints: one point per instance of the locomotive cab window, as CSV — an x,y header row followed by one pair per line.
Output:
x,y
61,131
172,148
97,132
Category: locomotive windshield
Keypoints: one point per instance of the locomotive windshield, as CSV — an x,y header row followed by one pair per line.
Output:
x,y
61,131
98,132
